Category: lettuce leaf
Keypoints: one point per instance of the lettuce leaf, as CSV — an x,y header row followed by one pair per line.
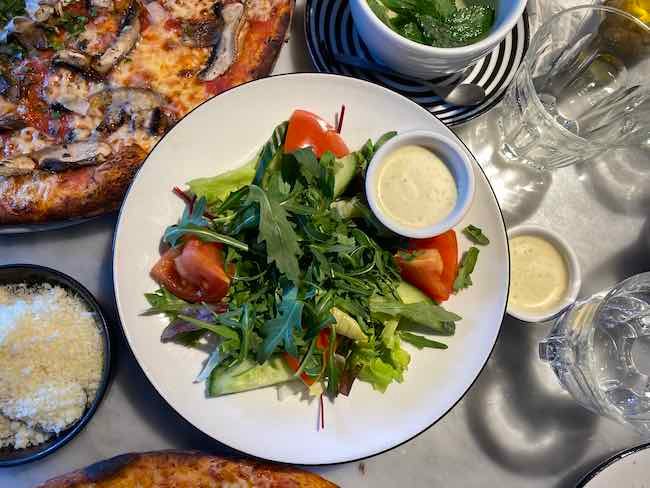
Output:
x,y
380,363
217,188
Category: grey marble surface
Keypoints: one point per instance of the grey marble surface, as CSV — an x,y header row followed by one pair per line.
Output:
x,y
514,428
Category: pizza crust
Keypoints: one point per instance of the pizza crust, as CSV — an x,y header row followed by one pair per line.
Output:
x,y
84,192
185,469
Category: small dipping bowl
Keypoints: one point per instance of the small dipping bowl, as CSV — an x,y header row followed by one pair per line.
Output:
x,y
457,159
572,267
38,275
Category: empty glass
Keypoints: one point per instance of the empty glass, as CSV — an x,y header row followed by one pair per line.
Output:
x,y
580,89
600,352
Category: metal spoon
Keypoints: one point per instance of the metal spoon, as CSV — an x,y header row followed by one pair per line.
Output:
x,y
462,94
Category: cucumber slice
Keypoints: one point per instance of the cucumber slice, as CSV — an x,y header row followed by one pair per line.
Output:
x,y
345,169
410,294
249,375
347,326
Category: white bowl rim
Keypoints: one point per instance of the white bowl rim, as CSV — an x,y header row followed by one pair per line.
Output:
x,y
488,42
463,203
573,267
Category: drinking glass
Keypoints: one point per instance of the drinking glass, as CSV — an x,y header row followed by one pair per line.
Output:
x,y
600,351
580,89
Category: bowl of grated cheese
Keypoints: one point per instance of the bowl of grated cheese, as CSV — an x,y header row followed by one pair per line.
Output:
x,y
54,361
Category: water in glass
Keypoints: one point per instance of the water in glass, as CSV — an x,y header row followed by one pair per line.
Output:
x,y
600,352
580,90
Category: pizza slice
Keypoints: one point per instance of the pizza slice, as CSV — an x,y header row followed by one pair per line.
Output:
x,y
185,469
88,87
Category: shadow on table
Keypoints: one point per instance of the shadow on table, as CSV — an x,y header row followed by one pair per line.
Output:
x,y
520,189
518,412
629,261
619,179
162,418
298,42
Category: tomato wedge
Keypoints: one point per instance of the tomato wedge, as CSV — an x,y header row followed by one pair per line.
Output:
x,y
309,130
423,269
322,343
294,364
447,245
194,273
431,264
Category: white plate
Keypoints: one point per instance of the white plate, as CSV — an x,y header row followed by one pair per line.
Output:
x,y
224,133
630,469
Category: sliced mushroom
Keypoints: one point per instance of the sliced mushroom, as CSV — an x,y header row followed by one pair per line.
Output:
x,y
203,33
41,10
20,165
158,122
9,86
29,34
76,61
69,156
129,33
11,121
224,53
107,4
139,106
68,88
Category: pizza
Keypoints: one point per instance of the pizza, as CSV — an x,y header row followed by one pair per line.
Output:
x,y
88,87
185,469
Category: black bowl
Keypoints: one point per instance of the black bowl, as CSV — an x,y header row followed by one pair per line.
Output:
x,y
34,275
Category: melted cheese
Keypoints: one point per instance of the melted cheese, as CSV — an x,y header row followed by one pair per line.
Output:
x,y
161,62
98,34
70,89
25,141
6,107
126,136
260,10
189,9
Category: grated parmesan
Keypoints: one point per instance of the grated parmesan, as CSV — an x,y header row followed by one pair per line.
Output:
x,y
50,362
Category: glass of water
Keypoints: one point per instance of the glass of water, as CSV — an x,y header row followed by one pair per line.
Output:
x,y
600,352
580,89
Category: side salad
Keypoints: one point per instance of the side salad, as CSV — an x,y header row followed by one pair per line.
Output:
x,y
281,266
437,23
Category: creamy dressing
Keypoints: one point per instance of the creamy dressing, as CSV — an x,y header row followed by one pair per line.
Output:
x,y
415,188
539,275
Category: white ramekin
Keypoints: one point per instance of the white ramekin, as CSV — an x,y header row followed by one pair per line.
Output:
x,y
573,269
452,154
418,60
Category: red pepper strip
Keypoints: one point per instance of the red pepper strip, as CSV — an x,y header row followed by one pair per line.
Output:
x,y
322,413
190,201
340,124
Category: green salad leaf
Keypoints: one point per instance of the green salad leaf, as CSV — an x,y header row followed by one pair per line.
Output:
x,y
217,188
422,313
420,341
279,331
163,301
270,152
476,235
465,269
438,23
275,230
